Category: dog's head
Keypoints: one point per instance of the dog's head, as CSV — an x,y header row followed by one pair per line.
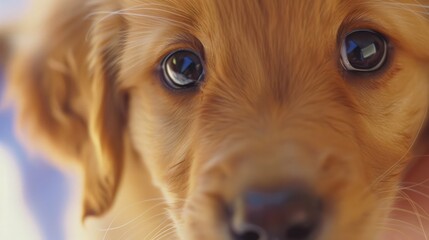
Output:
x,y
256,119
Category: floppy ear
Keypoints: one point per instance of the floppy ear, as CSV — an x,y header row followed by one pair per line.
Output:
x,y
63,83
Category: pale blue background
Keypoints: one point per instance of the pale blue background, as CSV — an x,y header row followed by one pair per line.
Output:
x,y
46,190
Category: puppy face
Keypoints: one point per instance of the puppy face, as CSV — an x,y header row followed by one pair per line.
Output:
x,y
276,107
279,105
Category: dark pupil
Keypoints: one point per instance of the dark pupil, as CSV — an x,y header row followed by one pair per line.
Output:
x,y
184,68
365,50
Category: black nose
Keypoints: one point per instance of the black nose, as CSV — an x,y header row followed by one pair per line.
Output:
x,y
291,214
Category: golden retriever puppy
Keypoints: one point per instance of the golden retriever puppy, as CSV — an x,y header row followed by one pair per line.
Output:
x,y
269,120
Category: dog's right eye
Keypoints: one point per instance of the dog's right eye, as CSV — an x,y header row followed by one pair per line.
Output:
x,y
363,51
182,69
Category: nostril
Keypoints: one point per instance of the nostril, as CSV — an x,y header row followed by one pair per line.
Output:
x,y
250,232
299,232
250,235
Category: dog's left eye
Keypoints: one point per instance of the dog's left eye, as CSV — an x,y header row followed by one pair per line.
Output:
x,y
182,69
363,51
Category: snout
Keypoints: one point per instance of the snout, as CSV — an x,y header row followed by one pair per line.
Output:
x,y
288,191
293,213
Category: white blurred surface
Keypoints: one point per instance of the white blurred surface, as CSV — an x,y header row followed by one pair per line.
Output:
x,y
34,195
16,221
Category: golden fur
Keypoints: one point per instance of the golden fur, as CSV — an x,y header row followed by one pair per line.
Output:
x,y
276,105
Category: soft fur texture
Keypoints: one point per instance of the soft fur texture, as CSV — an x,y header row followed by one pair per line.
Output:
x,y
276,105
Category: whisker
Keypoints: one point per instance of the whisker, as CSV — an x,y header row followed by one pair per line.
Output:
x,y
419,219
157,228
417,185
422,209
406,211
107,14
160,202
400,225
131,206
410,187
168,229
131,221
147,8
165,234
423,212
405,223
131,229
418,192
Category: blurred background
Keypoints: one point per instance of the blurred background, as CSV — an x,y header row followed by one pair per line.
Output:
x,y
33,193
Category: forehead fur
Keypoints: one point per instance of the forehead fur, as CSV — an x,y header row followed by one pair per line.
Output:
x,y
271,33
